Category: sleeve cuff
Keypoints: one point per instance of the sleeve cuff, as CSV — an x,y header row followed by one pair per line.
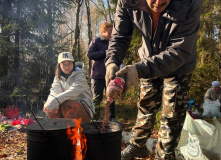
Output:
x,y
142,70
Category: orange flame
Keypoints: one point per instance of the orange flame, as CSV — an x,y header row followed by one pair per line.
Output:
x,y
78,140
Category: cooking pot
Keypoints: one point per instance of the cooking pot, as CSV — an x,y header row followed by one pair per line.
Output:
x,y
103,146
49,140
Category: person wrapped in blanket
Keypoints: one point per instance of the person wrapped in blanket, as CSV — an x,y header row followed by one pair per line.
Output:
x,y
70,96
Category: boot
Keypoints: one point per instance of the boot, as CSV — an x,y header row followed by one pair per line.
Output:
x,y
132,151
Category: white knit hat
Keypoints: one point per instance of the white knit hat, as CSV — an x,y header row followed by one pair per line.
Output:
x,y
65,56
215,84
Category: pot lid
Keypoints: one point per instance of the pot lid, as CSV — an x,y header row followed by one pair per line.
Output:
x,y
52,124
92,128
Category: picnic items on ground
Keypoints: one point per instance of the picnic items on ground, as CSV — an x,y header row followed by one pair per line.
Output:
x,y
5,126
23,121
12,120
199,140
12,112
211,108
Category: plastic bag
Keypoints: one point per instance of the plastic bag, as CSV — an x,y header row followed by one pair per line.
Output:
x,y
114,89
126,136
199,140
151,145
12,112
211,108
23,122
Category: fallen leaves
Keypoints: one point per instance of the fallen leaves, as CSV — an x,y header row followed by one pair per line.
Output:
x,y
3,155
13,145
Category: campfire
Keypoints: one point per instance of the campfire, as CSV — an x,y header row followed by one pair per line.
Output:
x,y
78,140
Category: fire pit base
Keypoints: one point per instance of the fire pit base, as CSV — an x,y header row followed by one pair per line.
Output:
x,y
105,146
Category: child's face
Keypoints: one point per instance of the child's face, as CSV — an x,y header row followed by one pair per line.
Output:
x,y
67,66
107,33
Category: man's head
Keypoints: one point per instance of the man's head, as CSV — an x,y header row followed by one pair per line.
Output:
x,y
157,6
216,86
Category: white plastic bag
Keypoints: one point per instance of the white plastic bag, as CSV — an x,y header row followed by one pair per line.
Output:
x,y
199,140
126,136
211,108
151,145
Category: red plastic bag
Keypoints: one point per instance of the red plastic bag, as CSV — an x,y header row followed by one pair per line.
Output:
x,y
12,112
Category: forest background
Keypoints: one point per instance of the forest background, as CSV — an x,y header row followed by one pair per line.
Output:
x,y
34,32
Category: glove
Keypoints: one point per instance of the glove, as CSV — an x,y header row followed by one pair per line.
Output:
x,y
111,69
130,75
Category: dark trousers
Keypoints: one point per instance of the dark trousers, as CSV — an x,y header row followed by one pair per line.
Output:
x,y
97,88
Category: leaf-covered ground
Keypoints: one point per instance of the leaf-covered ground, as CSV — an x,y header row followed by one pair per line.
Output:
x,y
13,145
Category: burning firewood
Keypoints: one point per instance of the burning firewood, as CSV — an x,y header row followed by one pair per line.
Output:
x,y
78,140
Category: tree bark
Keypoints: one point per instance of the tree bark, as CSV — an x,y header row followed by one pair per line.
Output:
x,y
87,4
50,44
5,50
16,51
104,9
76,44
219,46
109,12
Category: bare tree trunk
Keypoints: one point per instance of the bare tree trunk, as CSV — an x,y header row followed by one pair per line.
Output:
x,y
104,10
72,33
219,50
76,44
89,28
109,13
49,41
79,41
5,50
16,51
219,47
